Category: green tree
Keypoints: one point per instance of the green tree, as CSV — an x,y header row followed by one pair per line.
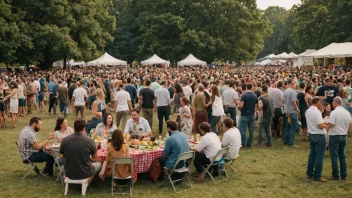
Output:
x,y
280,40
11,36
61,29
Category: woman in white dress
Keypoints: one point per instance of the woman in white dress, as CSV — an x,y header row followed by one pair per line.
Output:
x,y
62,129
217,107
186,117
13,96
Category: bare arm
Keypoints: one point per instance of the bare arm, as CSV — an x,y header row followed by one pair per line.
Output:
x,y
240,106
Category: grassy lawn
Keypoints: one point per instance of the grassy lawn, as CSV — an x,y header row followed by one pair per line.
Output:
x,y
275,172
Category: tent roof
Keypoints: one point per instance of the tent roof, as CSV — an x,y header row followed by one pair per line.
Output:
x,y
106,59
282,56
155,60
291,55
270,56
191,60
307,52
334,50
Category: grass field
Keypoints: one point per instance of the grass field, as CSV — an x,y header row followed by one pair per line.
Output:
x,y
275,172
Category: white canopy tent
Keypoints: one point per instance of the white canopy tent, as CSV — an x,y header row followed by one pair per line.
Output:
x,y
107,59
78,63
302,59
155,60
191,60
291,55
334,50
270,56
281,56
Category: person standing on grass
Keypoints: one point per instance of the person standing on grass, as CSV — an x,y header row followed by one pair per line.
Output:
x,y
123,106
291,113
339,122
13,97
52,86
131,89
21,98
62,95
162,100
265,105
2,106
146,96
317,141
80,154
230,99
79,97
278,100
247,108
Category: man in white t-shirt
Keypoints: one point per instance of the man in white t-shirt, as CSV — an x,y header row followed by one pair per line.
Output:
x,y
339,122
209,145
21,98
231,139
187,90
123,106
37,85
317,141
79,99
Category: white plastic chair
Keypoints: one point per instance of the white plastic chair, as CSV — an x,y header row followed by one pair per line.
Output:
x,y
33,166
83,182
221,153
59,167
187,170
122,160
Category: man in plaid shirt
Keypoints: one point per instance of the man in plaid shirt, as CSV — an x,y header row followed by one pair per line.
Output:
x,y
31,149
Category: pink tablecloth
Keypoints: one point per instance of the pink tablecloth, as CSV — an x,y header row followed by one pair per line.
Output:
x,y
142,159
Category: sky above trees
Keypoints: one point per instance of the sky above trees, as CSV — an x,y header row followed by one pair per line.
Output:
x,y
264,4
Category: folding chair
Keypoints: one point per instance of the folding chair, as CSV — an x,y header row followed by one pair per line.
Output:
x,y
59,167
122,160
232,164
33,166
221,162
187,170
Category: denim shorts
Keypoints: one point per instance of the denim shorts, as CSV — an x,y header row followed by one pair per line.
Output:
x,y
22,102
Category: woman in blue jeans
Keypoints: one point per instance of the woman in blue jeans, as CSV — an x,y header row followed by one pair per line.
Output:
x,y
217,108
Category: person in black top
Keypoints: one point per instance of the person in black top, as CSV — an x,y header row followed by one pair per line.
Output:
x,y
72,87
302,109
328,91
146,97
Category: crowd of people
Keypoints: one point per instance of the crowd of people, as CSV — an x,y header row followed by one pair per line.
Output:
x,y
280,101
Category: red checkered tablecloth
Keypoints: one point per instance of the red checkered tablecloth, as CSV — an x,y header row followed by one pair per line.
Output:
x,y
142,159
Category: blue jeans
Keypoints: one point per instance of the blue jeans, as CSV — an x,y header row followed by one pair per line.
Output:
x,y
63,108
243,123
317,144
290,129
337,147
214,122
52,103
265,126
233,113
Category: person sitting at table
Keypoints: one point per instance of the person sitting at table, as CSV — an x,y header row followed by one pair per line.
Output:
x,y
231,139
175,145
80,154
209,145
31,149
116,148
107,125
62,129
137,124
